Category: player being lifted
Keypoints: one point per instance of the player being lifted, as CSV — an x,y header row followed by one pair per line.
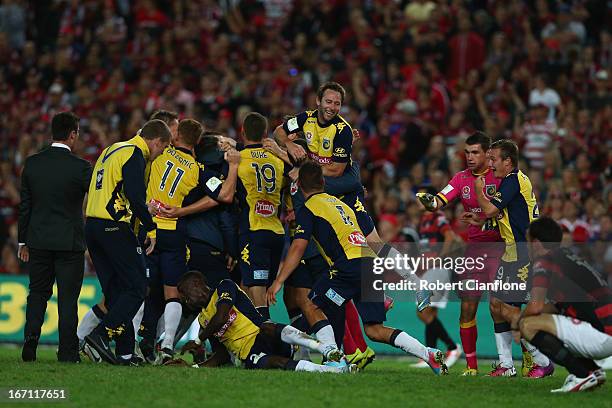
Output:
x,y
462,187
330,141
578,329
234,327
334,228
177,179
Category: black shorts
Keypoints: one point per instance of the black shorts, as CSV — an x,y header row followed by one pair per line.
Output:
x,y
357,203
514,273
264,347
307,272
337,287
169,258
260,256
208,260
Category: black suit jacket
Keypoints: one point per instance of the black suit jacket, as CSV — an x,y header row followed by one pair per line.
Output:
x,y
53,186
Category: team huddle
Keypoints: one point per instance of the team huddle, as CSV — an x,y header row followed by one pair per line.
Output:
x,y
185,224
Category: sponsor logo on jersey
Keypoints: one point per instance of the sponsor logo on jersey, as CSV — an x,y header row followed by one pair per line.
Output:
x,y
232,316
465,191
308,137
357,238
340,126
264,208
319,159
293,188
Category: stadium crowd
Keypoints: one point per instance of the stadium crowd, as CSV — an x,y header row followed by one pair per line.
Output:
x,y
421,76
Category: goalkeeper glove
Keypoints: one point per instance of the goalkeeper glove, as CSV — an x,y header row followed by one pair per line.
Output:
x,y
428,201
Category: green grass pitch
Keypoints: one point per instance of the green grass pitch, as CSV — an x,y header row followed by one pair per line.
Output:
x,y
388,382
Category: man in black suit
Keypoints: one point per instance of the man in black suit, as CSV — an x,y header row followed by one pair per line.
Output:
x,y
51,235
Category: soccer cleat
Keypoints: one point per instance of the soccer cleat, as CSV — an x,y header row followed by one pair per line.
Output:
x,y
575,384
420,364
367,357
148,352
437,361
501,371
470,372
389,302
452,356
332,353
541,372
91,353
353,358
352,369
600,374
527,363
101,345
133,361
423,298
165,356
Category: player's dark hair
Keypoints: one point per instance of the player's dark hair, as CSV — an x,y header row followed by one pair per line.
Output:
x,y
304,144
547,231
333,86
209,141
167,116
155,129
311,176
191,281
508,149
63,124
479,138
189,131
255,126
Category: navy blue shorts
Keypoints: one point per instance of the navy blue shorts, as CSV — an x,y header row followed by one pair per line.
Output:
x,y
357,203
513,272
260,256
168,262
337,287
264,347
208,260
307,272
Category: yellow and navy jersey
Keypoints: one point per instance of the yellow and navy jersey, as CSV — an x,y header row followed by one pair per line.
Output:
x,y
117,189
242,327
261,178
333,225
329,143
177,180
517,206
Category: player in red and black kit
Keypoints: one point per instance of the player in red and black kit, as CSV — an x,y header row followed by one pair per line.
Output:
x,y
579,328
435,230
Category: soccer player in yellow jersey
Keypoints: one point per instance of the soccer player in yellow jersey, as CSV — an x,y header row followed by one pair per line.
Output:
x,y
261,177
513,207
177,179
230,321
334,228
93,317
117,191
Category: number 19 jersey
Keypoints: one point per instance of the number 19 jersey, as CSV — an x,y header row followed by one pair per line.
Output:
x,y
261,178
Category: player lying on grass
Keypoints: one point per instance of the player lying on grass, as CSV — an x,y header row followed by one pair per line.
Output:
x,y
233,326
579,328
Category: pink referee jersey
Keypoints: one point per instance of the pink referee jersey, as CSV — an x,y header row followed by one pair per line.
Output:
x,y
462,186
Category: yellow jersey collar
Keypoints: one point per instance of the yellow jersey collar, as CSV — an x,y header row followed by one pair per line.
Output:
x,y
139,142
